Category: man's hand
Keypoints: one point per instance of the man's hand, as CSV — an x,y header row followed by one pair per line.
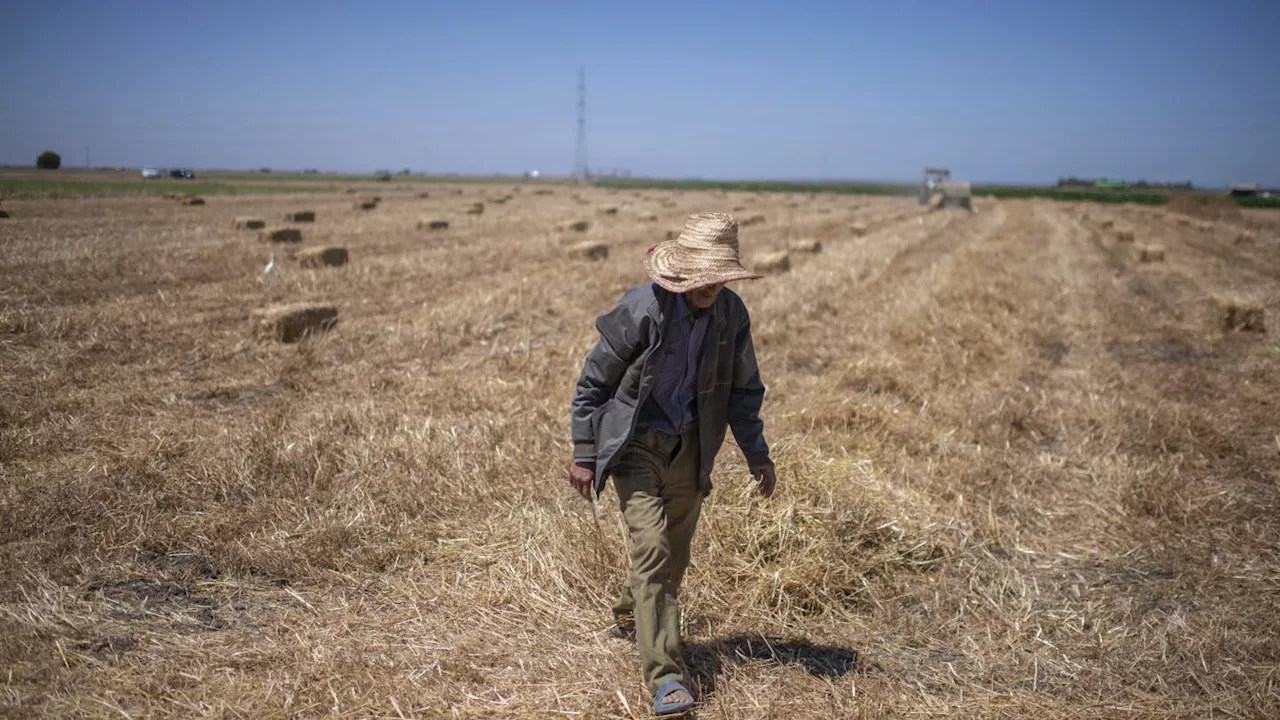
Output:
x,y
766,477
582,476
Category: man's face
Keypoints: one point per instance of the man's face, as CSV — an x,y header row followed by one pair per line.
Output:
x,y
703,297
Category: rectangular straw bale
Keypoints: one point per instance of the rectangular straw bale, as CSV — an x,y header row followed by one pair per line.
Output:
x,y
476,209
589,250
807,245
193,201
294,322
280,235
249,223
1239,315
772,262
368,204
324,256
301,216
578,226
1151,254
433,224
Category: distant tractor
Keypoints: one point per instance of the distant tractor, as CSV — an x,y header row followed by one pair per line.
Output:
x,y
937,189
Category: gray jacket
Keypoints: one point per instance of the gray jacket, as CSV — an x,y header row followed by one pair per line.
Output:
x,y
621,371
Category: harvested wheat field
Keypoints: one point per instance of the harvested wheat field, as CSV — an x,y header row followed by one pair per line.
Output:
x,y
1021,473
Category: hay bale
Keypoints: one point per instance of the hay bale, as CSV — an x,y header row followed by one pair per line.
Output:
x,y
249,223
476,209
1184,221
433,224
772,262
368,204
648,218
858,229
295,322
1245,238
739,208
1151,253
1242,316
753,220
1124,236
189,201
327,256
807,245
579,226
543,191
1107,224
589,250
1212,206
351,191
280,235
301,216
424,195
608,211
4,214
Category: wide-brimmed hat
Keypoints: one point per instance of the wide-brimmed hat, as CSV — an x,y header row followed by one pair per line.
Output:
x,y
705,253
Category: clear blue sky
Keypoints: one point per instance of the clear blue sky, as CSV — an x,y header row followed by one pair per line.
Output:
x,y
1015,91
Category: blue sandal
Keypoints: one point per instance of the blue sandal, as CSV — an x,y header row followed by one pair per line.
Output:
x,y
666,709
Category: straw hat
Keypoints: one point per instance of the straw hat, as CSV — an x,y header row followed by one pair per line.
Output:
x,y
705,253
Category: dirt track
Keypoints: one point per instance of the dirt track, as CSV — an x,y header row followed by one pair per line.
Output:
x,y
1022,472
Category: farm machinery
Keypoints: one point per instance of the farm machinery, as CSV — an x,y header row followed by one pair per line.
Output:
x,y
938,190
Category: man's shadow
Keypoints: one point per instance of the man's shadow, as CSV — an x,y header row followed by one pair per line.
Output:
x,y
705,661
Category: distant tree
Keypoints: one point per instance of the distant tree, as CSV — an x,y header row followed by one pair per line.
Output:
x,y
49,160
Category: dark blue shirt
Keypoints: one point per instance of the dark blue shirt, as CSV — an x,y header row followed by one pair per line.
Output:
x,y
672,406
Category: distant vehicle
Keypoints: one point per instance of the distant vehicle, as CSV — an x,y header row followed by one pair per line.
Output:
x,y
182,174
150,173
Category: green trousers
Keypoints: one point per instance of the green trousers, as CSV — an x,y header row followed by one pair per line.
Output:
x,y
657,484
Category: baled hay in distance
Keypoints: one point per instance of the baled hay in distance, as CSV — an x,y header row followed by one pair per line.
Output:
x,y
294,322
1124,236
609,211
249,223
369,204
433,224
280,235
193,201
4,213
1245,238
476,209
301,216
858,229
543,191
807,245
753,220
1210,206
589,250
424,195
1107,224
1151,253
325,256
579,226
648,218
772,262
1239,315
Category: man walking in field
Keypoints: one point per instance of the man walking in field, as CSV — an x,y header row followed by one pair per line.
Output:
x,y
674,367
